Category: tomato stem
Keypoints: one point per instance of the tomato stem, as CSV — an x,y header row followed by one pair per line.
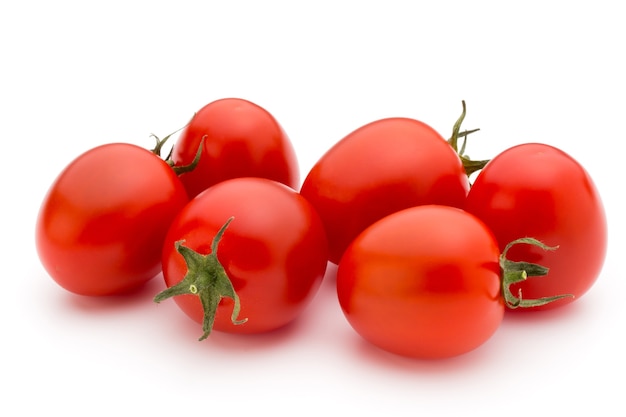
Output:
x,y
207,279
160,142
181,169
470,165
158,148
515,272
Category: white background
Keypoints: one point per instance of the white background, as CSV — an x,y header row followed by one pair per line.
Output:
x,y
74,75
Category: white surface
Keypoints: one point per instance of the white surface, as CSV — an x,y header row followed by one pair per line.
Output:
x,y
76,74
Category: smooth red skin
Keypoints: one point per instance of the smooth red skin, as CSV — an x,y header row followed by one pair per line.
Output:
x,y
274,251
101,226
241,140
423,282
536,190
380,168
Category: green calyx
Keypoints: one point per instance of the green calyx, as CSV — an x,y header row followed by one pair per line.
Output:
x,y
178,169
206,279
515,272
470,165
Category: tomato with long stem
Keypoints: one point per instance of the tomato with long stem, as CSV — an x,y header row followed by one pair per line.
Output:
x,y
430,282
535,189
382,167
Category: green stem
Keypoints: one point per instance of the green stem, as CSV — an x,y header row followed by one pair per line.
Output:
x,y
181,169
515,272
470,165
207,279
158,148
160,142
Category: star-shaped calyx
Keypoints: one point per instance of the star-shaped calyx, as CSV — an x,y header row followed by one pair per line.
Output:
x,y
207,279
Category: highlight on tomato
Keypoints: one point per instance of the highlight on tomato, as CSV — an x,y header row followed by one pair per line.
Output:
x,y
430,282
101,226
239,139
382,167
535,189
244,256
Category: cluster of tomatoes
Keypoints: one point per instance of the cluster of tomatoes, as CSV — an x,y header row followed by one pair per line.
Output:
x,y
427,263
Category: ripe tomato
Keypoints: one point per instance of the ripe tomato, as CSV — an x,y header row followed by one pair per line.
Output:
x,y
241,139
102,223
268,262
380,168
537,190
423,282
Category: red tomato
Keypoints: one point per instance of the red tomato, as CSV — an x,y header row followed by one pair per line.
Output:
x,y
101,225
423,282
272,256
241,139
380,168
539,191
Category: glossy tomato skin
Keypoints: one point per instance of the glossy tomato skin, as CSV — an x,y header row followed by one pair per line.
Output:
x,y
382,167
423,282
101,226
537,190
241,139
274,251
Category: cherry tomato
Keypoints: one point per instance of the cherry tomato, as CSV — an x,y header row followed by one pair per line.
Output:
x,y
382,167
101,226
241,139
423,282
537,190
263,268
